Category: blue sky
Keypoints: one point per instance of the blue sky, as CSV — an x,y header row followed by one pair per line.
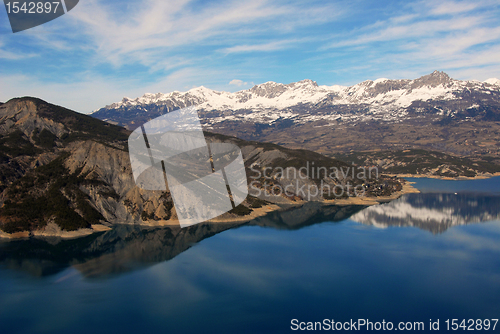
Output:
x,y
103,50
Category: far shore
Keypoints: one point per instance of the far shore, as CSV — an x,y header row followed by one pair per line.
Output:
x,y
54,231
458,178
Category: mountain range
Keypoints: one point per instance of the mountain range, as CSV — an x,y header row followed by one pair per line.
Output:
x,y
306,101
430,113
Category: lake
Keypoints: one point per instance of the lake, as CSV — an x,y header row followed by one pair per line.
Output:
x,y
422,258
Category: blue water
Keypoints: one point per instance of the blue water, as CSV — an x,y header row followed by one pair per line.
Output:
x,y
491,185
256,278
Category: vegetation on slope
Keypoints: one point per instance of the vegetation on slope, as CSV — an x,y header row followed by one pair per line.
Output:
x,y
49,193
423,162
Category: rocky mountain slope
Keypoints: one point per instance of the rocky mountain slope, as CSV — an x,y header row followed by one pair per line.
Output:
x,y
61,170
424,163
433,112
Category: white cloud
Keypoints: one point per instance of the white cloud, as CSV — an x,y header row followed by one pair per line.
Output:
x,y
80,96
129,47
454,7
238,82
271,46
12,55
447,35
160,27
407,31
93,92
120,48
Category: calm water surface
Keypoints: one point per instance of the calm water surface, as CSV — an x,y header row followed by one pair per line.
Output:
x,y
425,256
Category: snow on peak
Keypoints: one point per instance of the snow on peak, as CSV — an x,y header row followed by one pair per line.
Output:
x,y
272,95
493,81
201,92
304,83
380,80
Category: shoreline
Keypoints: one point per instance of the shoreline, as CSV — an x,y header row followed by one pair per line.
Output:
x,y
54,231
256,212
438,177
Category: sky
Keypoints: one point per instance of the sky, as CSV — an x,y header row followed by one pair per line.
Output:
x,y
103,50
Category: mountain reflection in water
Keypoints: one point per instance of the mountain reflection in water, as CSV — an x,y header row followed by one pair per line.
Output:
x,y
127,248
432,212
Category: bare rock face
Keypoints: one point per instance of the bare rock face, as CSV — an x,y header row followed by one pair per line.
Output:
x,y
62,171
434,79
23,116
117,197
268,90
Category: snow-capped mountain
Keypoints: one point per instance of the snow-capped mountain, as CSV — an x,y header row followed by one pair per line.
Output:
x,y
433,112
267,95
382,99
